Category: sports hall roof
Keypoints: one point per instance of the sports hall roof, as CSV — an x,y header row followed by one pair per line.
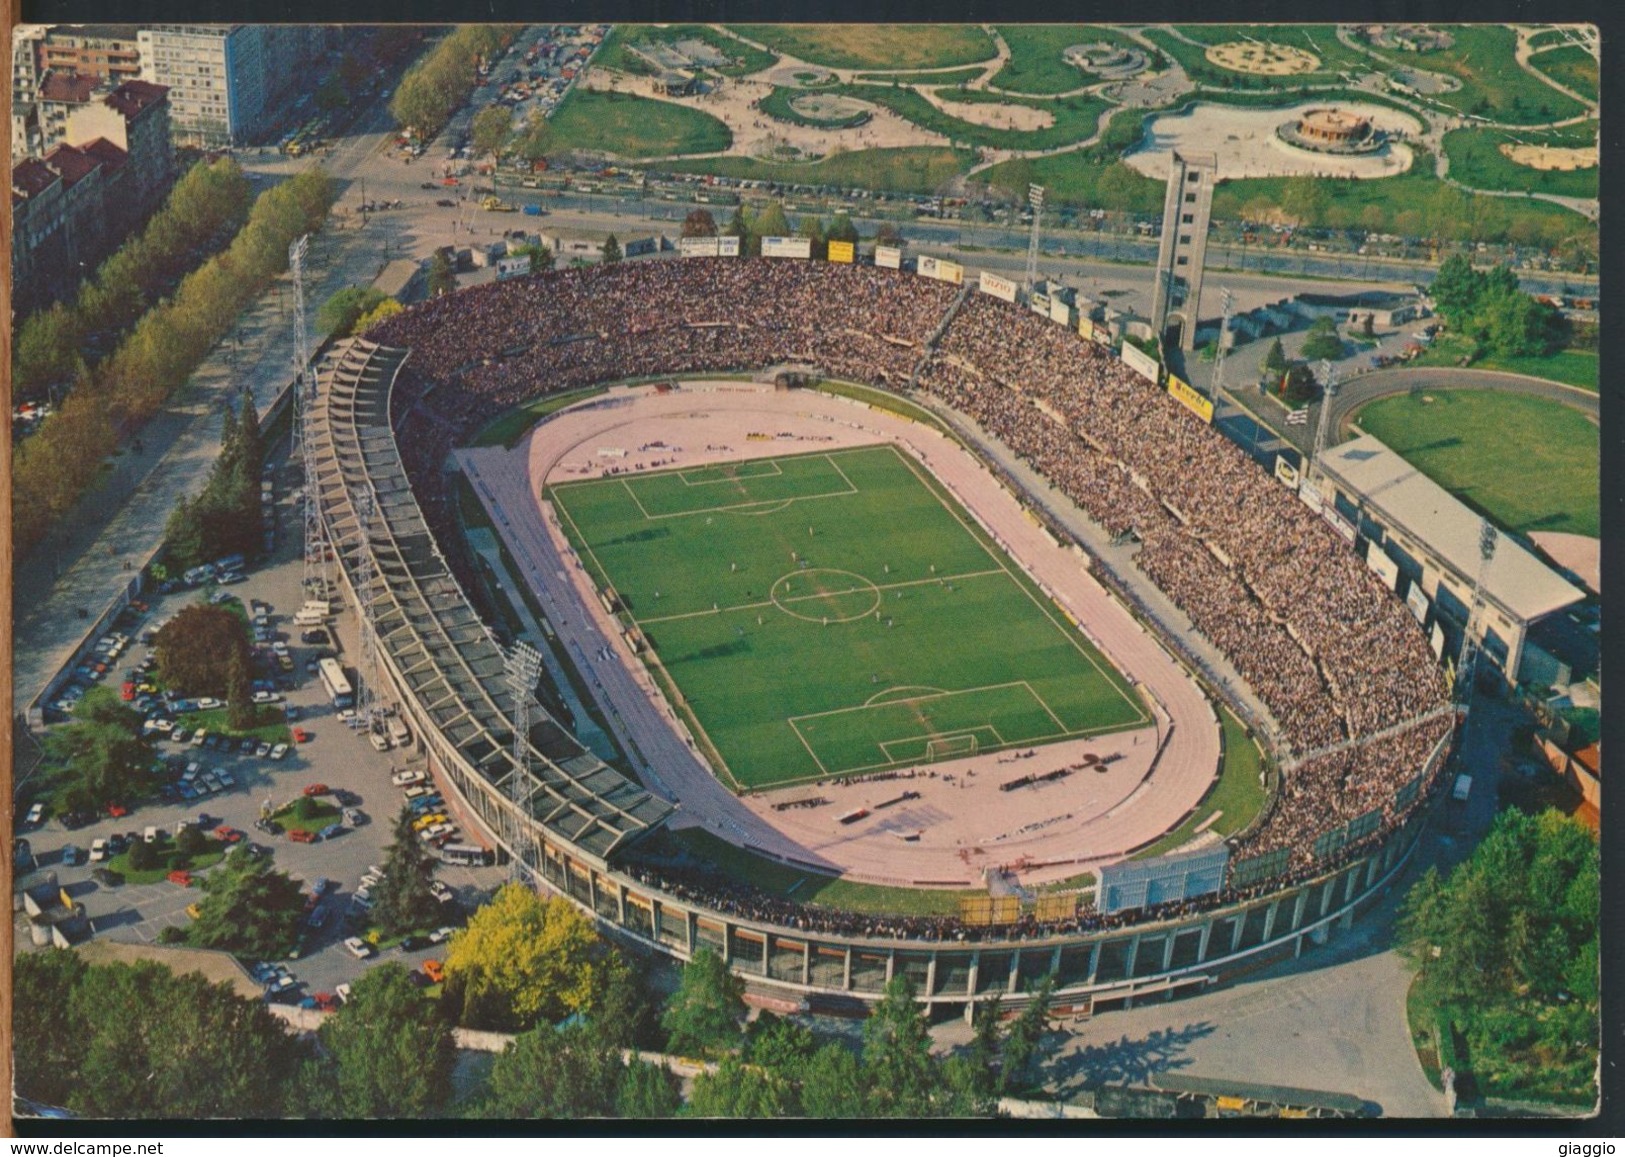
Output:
x,y
1515,578
431,634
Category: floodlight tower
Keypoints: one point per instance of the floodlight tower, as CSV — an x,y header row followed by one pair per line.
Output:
x,y
523,664
1328,382
1467,668
1035,198
1227,301
368,710
304,397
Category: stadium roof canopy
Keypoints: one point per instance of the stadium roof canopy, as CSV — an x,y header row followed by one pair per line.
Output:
x,y
428,631
1515,579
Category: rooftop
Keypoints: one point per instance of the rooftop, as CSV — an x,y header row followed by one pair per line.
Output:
x,y
134,97
31,177
1515,579
103,150
75,164
67,88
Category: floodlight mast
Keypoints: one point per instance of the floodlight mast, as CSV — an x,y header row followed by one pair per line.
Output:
x,y
523,664
304,429
1328,381
1467,668
1035,198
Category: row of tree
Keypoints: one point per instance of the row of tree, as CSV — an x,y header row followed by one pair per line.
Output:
x,y
439,84
750,226
207,205
1488,307
54,467
1508,949
224,518
355,309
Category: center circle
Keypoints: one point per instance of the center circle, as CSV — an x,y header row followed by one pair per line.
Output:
x,y
824,594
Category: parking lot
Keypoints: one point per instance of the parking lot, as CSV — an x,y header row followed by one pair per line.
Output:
x,y
334,755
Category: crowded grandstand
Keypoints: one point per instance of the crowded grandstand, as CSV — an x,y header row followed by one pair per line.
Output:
x,y
1356,701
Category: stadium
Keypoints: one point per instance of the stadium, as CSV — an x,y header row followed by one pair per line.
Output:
x,y
980,408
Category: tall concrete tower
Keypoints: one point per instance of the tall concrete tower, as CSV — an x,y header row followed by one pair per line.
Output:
x,y
1185,213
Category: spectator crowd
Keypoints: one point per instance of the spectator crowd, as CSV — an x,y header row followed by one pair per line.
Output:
x,y
1341,665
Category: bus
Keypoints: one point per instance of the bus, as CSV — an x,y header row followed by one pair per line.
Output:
x,y
338,687
467,855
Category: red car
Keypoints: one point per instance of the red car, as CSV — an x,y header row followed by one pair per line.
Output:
x,y
117,811
299,836
435,971
326,1002
126,692
300,735
228,834
316,789
450,181
182,877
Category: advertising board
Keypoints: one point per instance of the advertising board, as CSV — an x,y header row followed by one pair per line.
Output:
x,y
888,257
1000,287
1286,473
1140,362
698,246
1417,602
794,247
1384,567
842,252
727,247
1060,311
1194,402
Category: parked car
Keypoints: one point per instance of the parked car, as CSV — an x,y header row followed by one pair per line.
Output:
x,y
181,877
358,947
36,815
280,751
315,789
441,935
407,778
354,817
435,971
98,850
300,836
106,877
331,831
73,855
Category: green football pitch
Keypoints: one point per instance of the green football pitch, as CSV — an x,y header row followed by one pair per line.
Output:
x,y
836,614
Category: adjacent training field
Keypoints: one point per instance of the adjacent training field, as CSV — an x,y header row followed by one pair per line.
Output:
x,y
835,614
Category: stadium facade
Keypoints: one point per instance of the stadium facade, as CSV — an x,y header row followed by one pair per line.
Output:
x,y
571,819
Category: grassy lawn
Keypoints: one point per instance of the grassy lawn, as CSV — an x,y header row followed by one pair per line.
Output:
x,y
1237,797
1571,66
909,170
1571,367
324,815
900,46
1528,463
1476,160
896,634
616,52
1319,39
815,888
1492,84
172,860
1075,117
1422,1015
1080,178
950,76
634,126
509,428
1036,66
269,731
777,104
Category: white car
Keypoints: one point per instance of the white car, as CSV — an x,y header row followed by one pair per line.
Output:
x,y
379,742
280,751
406,778
98,850
267,697
358,947
208,704
441,935
342,992
417,792
353,817
36,815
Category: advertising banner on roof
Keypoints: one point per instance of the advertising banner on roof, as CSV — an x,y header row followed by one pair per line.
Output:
x,y
1417,602
796,247
888,257
1384,567
1140,362
698,246
1000,287
1286,472
1182,393
842,252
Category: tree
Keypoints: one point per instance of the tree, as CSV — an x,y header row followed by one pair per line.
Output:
x,y
775,1042
889,234
611,250
123,1040
522,960
1022,1040
103,749
144,857
1323,342
1298,384
897,1065
1456,288
383,311
832,1088
537,140
704,1014
647,1092
442,278
813,230
770,221
491,128
984,1049
699,223
191,841
740,1090
339,313
555,1073
241,711
248,908
842,229
403,901
750,245
541,257
195,649
389,1053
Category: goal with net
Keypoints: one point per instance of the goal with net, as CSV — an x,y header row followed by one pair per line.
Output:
x,y
951,746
